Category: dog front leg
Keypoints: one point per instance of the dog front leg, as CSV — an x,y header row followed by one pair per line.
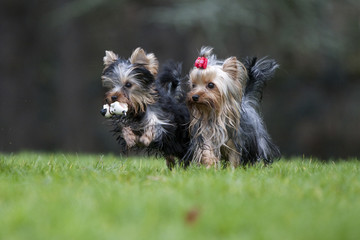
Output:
x,y
170,162
129,136
233,156
148,136
208,158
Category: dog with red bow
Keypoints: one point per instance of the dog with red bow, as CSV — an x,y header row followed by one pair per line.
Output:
x,y
224,101
145,107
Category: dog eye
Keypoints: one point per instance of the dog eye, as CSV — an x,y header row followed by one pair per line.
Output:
x,y
193,85
128,85
211,85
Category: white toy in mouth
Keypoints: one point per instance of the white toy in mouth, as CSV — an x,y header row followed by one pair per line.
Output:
x,y
117,108
105,111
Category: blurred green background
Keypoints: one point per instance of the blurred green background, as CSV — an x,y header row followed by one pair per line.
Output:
x,y
51,62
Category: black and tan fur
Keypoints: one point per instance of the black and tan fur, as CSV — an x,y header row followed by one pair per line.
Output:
x,y
224,108
156,120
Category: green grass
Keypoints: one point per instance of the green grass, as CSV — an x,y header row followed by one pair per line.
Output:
x,y
57,196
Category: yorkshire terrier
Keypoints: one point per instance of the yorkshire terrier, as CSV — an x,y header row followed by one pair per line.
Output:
x,y
223,102
144,106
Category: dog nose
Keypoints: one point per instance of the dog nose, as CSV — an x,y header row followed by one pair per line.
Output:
x,y
114,98
195,97
103,111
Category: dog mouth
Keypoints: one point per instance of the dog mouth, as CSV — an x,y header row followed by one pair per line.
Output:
x,y
200,104
114,109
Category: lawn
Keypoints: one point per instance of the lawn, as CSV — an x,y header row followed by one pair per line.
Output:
x,y
69,196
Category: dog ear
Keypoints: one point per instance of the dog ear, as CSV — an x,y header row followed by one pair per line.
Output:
x,y
149,61
232,67
109,58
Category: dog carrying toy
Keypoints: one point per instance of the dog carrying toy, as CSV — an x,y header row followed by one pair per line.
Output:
x,y
115,108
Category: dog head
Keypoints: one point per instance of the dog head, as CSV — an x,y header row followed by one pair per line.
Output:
x,y
131,81
216,88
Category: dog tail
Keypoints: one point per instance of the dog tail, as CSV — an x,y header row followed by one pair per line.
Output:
x,y
169,79
256,141
260,72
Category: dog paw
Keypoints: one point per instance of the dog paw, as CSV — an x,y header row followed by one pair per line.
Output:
x,y
129,137
146,140
130,142
209,161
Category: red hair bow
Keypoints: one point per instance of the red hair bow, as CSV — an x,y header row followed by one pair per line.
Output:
x,y
201,62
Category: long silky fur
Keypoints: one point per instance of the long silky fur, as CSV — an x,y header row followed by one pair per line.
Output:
x,y
256,143
241,121
169,77
211,129
155,107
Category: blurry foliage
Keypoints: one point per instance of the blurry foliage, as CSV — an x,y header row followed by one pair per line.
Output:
x,y
73,9
325,27
298,27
